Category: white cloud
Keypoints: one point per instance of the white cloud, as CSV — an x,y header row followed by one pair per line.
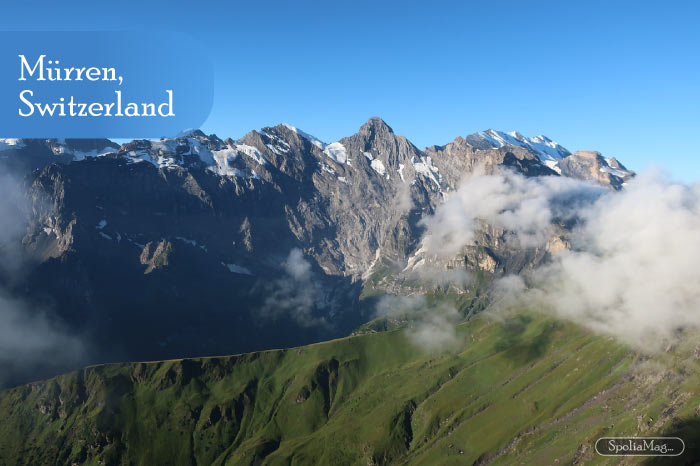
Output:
x,y
525,207
632,270
32,344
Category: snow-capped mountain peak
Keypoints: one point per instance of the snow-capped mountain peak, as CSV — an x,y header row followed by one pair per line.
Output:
x,y
541,146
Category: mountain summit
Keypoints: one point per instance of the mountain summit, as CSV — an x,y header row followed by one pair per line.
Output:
x,y
375,125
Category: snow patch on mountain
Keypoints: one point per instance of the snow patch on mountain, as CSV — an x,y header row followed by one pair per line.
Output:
x,y
60,147
223,159
233,268
400,170
613,171
251,152
327,169
425,167
201,150
378,166
544,145
81,155
10,143
615,168
274,149
337,152
164,146
554,165
168,153
137,156
276,144
541,146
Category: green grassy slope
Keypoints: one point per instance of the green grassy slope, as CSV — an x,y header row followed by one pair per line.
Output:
x,y
529,390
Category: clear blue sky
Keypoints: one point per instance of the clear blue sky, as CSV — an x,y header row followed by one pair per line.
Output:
x,y
619,77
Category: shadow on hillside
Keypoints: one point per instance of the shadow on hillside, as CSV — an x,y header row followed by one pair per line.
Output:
x,y
689,431
518,346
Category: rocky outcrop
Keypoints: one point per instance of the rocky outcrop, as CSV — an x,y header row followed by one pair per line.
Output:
x,y
156,255
591,166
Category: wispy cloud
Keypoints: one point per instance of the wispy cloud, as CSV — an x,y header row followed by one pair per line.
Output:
x,y
32,342
14,209
431,326
296,294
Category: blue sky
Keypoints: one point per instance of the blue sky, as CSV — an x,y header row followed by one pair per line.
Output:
x,y
621,79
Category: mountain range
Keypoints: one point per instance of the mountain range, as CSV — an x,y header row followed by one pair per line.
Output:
x,y
196,245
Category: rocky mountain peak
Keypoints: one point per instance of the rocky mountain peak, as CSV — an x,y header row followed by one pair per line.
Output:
x,y
587,154
374,149
384,152
376,125
378,136
195,133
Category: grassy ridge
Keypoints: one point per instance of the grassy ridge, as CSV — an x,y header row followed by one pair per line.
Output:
x,y
529,390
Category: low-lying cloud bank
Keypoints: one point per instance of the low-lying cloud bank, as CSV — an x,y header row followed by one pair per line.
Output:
x,y
632,270
32,344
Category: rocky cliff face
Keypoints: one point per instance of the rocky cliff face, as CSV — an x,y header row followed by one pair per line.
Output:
x,y
199,245
591,166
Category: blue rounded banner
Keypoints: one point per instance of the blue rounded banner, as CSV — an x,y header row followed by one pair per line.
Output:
x,y
114,84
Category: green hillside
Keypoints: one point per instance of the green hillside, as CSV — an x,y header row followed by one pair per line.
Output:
x,y
529,390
